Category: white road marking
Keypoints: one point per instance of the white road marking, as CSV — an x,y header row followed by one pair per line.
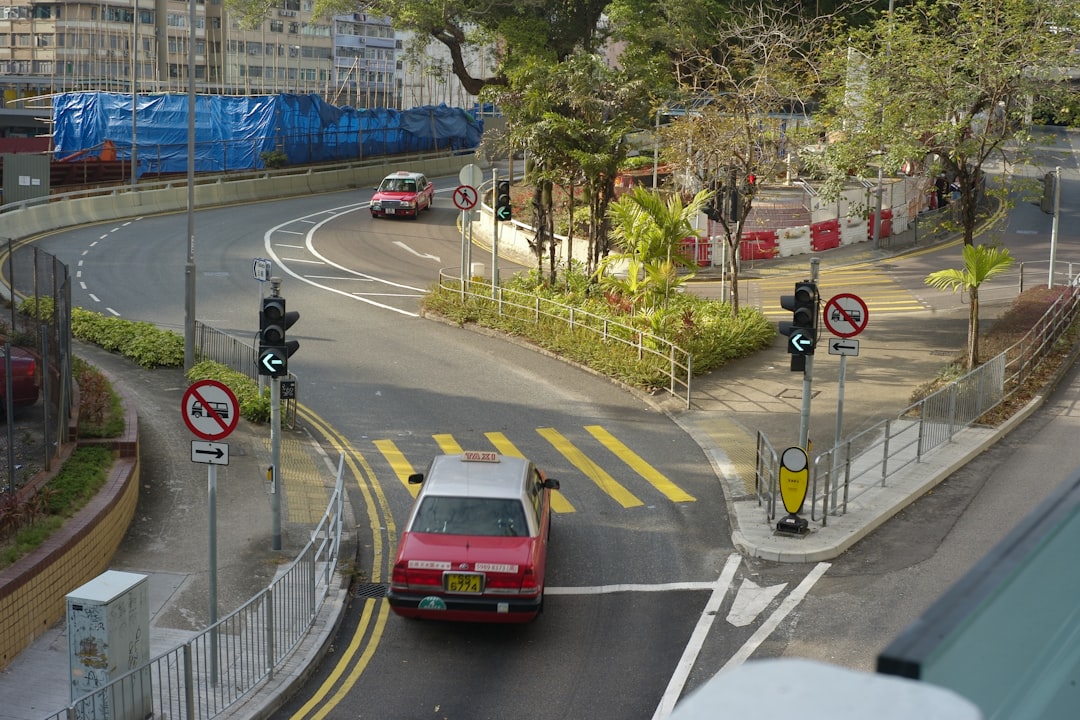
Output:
x,y
308,244
786,606
405,247
750,601
628,587
697,639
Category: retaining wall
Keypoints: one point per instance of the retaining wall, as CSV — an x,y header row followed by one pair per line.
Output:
x,y
33,589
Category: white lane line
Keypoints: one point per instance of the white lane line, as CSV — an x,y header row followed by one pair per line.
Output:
x,y
629,587
786,606
697,639
332,213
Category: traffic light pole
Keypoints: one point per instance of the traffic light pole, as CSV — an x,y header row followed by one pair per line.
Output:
x,y
495,221
275,461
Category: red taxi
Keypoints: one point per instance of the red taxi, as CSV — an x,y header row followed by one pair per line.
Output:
x,y
402,193
475,543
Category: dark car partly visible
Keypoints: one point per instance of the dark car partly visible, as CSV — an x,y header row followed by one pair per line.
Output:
x,y
24,381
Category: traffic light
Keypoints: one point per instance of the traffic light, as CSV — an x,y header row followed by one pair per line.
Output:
x,y
1047,202
274,349
803,327
503,211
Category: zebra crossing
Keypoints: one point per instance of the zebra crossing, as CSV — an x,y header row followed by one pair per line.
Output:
x,y
882,293
614,469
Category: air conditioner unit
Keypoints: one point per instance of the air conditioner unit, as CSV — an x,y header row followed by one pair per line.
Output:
x,y
287,13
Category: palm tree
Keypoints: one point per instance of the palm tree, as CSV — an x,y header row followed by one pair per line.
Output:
x,y
981,263
650,231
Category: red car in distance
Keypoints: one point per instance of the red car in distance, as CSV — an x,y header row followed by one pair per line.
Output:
x,y
24,381
475,543
402,193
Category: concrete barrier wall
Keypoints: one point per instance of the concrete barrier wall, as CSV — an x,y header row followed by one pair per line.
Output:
x,y
31,220
900,194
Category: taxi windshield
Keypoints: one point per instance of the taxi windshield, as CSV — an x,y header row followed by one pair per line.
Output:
x,y
471,516
398,185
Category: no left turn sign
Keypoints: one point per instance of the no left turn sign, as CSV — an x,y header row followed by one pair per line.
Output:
x,y
846,315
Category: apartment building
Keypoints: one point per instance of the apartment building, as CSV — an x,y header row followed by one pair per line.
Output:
x,y
113,45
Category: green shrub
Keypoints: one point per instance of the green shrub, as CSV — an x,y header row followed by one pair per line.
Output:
x,y
78,480
704,328
101,414
142,342
274,159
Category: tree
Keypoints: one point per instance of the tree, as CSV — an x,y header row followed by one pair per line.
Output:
x,y
743,78
981,263
649,229
948,83
518,29
572,117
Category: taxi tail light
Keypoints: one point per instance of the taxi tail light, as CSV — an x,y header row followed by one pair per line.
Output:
x,y
525,582
402,577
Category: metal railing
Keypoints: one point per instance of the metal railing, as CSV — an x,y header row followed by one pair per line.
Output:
x,y
665,357
870,458
230,659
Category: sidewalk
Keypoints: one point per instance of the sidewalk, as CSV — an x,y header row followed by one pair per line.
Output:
x,y
168,536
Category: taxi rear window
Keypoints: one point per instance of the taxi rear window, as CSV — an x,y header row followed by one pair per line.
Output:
x,y
470,516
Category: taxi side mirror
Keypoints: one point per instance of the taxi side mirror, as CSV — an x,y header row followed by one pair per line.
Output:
x,y
551,484
416,478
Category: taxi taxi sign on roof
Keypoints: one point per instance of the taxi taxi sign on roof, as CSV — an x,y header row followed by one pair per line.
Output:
x,y
480,456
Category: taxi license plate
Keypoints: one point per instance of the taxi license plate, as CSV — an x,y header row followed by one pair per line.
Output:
x,y
390,211
464,583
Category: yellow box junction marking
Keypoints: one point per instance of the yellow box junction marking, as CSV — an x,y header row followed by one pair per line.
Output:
x,y
398,464
591,470
669,489
559,503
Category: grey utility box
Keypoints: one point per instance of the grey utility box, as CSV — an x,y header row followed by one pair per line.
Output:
x,y
108,626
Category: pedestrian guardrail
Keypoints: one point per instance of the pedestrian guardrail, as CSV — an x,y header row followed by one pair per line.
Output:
x,y
873,456
669,359
227,661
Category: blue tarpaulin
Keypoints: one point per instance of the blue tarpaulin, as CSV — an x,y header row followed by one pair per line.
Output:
x,y
232,132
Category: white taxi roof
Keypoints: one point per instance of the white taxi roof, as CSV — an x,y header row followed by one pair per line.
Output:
x,y
477,475
404,174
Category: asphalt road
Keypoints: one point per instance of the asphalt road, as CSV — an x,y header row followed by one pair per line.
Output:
x,y
382,376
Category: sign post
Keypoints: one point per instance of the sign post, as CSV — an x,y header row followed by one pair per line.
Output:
x,y
845,316
211,411
469,176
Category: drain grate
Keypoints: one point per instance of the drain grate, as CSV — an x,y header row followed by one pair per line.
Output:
x,y
370,590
